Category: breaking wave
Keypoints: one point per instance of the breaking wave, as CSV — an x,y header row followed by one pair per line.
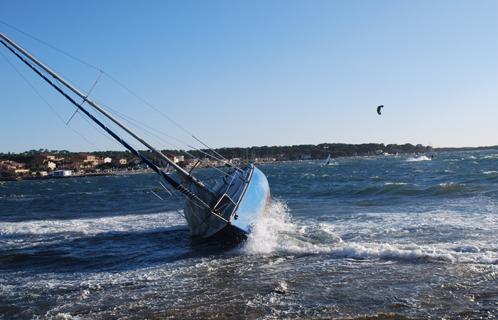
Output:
x,y
419,158
19,235
490,172
279,233
93,226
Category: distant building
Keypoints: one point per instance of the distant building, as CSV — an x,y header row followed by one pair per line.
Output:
x,y
21,172
48,157
62,173
177,159
90,161
123,161
9,165
107,160
51,165
90,158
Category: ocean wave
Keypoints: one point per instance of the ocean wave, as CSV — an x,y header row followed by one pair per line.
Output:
x,y
419,158
490,172
278,233
395,188
490,157
92,226
395,183
408,189
446,188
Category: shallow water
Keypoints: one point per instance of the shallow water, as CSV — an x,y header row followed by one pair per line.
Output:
x,y
390,236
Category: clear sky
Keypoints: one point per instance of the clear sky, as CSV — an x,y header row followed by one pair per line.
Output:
x,y
243,73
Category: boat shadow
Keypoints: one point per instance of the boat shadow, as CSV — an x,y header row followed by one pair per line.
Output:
x,y
110,251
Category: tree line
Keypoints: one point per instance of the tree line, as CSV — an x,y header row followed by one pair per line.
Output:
x,y
278,153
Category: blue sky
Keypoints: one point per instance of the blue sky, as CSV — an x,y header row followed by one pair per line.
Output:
x,y
243,73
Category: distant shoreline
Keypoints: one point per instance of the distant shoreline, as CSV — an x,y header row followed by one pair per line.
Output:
x,y
465,148
45,164
78,175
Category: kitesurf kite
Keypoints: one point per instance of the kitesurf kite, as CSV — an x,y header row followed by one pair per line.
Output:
x,y
378,109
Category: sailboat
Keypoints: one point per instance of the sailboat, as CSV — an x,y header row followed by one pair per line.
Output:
x,y
227,208
327,161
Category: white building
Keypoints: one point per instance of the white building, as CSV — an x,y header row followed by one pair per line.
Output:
x,y
177,159
21,172
107,160
51,165
90,161
62,173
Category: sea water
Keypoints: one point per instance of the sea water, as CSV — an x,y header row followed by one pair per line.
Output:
x,y
387,236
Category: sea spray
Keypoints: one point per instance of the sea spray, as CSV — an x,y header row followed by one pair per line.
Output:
x,y
278,233
268,230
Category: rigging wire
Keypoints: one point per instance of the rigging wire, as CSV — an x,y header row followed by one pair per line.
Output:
x,y
222,159
192,198
50,46
212,150
122,85
142,126
178,186
137,123
119,83
52,108
62,52
84,118
87,94
152,134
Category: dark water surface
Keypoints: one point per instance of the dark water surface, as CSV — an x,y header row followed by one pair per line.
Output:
x,y
378,236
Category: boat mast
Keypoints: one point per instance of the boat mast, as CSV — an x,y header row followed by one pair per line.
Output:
x,y
85,98
189,194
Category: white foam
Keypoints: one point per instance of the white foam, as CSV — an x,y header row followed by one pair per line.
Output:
x,y
93,225
66,316
490,172
451,185
491,157
269,229
278,233
419,158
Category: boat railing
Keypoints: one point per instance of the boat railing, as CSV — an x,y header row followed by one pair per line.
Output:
x,y
230,199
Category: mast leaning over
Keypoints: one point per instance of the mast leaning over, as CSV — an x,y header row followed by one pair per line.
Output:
x,y
85,98
135,152
229,210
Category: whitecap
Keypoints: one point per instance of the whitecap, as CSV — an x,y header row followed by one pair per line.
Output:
x,y
490,172
419,158
93,226
278,233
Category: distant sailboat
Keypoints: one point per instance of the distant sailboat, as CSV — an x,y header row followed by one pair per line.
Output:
x,y
229,207
327,161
